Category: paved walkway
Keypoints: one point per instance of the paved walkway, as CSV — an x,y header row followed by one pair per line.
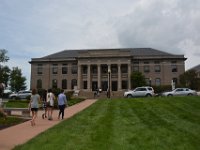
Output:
x,y
19,134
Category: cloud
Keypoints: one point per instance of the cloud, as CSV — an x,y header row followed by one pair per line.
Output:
x,y
32,29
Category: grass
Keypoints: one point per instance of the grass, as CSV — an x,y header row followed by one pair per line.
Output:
x,y
24,103
17,104
10,121
122,124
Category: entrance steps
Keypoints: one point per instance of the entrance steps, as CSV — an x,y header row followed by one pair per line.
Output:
x,y
101,95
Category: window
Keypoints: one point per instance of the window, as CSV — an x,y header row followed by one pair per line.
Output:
x,y
94,69
84,84
73,83
157,68
114,69
146,69
84,69
39,69
74,68
174,68
136,68
146,62
104,69
124,84
54,83
64,84
179,90
124,68
158,82
156,62
136,62
140,89
175,80
55,69
64,69
39,84
148,81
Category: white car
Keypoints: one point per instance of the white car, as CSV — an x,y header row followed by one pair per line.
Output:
x,y
20,95
180,92
140,92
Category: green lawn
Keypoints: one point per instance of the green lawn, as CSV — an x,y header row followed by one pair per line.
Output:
x,y
127,124
24,103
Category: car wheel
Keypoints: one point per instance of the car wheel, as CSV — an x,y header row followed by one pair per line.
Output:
x,y
129,96
190,94
148,95
170,95
13,98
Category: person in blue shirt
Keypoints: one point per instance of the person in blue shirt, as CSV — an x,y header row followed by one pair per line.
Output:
x,y
62,103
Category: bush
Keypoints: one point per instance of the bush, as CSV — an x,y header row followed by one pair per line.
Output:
x,y
162,88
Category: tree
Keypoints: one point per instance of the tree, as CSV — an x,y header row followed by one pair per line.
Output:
x,y
190,79
5,73
17,81
3,56
137,79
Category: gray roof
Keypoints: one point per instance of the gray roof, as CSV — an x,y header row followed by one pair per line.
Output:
x,y
134,52
196,68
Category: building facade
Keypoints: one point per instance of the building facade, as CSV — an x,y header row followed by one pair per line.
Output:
x,y
90,69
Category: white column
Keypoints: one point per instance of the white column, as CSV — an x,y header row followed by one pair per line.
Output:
x,y
79,77
109,81
88,78
129,76
119,78
99,75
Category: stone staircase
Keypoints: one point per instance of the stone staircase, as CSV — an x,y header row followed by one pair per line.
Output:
x,y
102,95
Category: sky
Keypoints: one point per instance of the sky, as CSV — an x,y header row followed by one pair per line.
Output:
x,y
33,29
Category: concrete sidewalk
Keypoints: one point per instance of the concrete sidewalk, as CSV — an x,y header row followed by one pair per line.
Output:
x,y
19,134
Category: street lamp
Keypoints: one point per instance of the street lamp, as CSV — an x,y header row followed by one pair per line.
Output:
x,y
108,94
150,82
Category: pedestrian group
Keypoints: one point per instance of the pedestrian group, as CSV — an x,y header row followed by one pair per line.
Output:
x,y
48,99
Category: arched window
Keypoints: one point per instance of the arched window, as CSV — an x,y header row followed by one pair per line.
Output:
x,y
54,84
64,84
39,84
73,83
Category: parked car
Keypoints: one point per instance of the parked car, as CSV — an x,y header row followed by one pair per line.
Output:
x,y
180,92
140,92
20,95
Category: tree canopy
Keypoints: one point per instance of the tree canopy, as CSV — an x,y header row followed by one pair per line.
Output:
x,y
17,81
190,79
3,56
137,79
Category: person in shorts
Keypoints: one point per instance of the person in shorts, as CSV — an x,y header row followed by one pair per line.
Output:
x,y
50,104
34,105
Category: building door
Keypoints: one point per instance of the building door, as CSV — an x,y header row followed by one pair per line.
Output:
x,y
104,85
114,85
94,85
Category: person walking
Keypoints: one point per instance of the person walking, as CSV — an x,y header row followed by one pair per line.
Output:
x,y
50,104
34,105
44,115
62,103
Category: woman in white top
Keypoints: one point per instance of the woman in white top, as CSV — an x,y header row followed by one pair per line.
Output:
x,y
50,104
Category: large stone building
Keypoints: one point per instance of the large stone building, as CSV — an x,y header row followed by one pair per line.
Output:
x,y
87,70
